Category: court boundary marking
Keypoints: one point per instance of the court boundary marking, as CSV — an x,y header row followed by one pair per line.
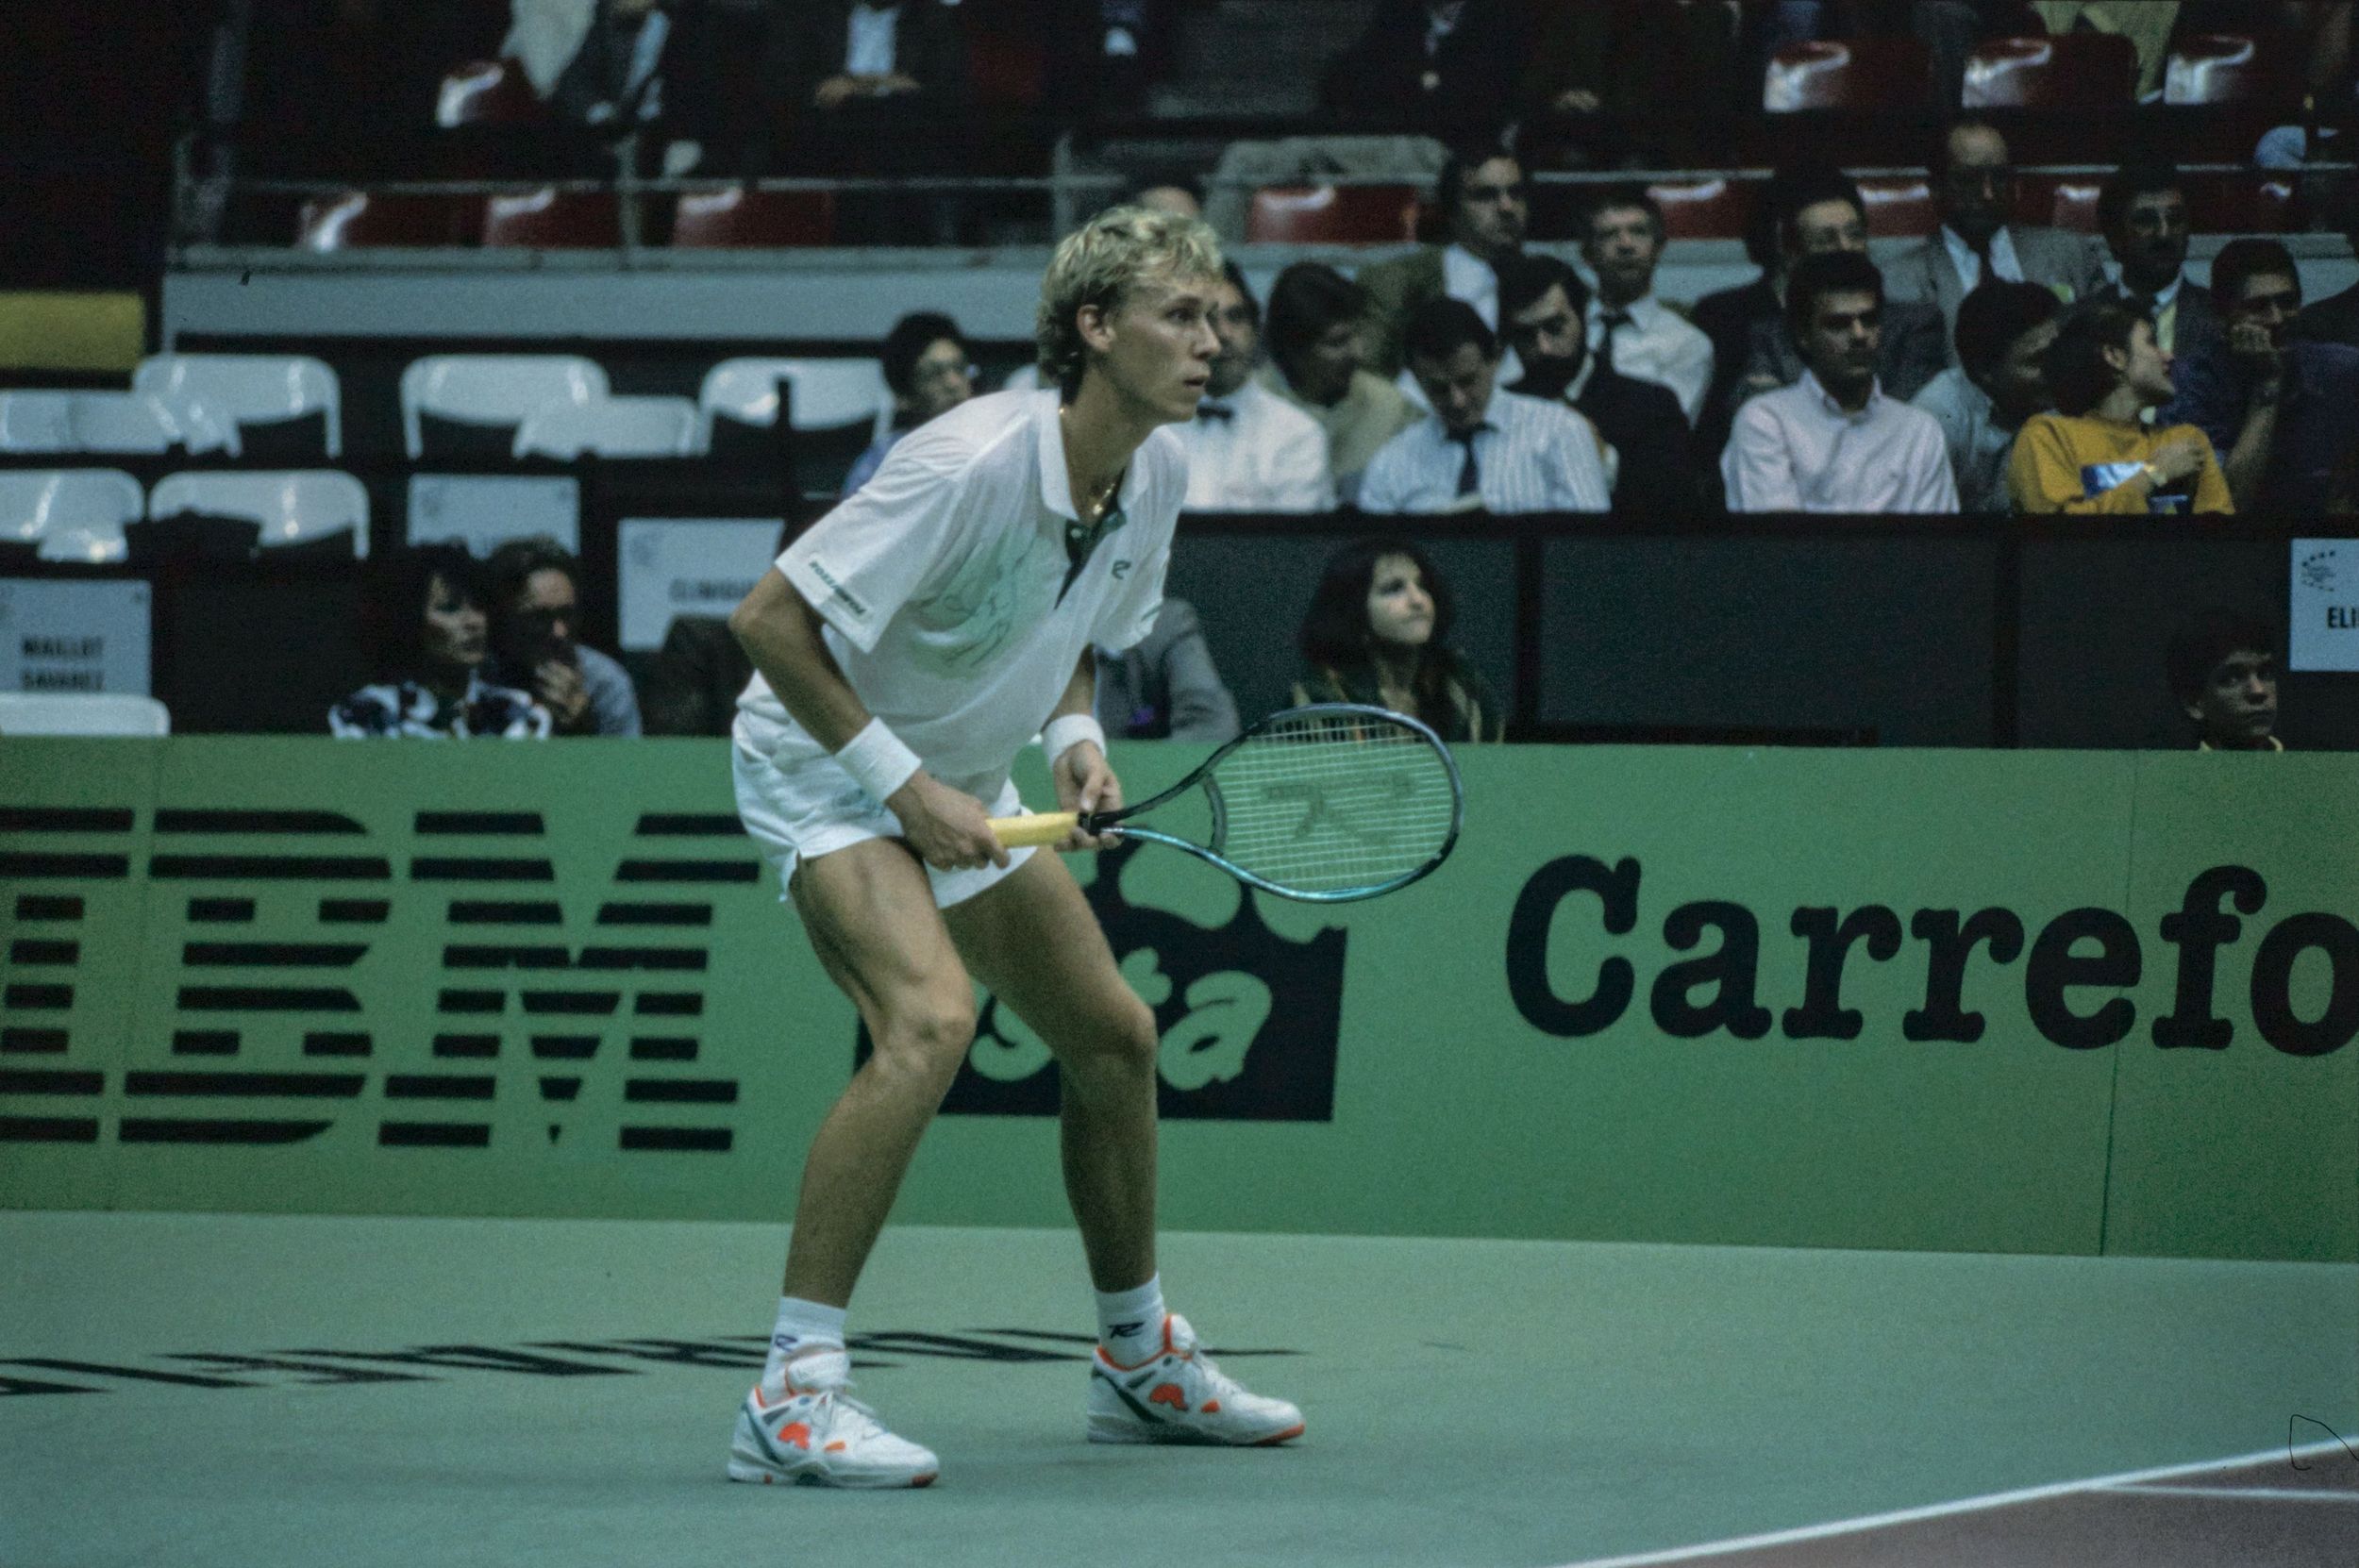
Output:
x,y
1990,1503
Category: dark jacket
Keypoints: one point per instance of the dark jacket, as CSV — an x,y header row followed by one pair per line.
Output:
x,y
1387,79
1644,424
1476,712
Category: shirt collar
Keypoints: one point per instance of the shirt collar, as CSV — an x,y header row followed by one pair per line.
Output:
x,y
1056,489
2003,262
1580,382
1642,311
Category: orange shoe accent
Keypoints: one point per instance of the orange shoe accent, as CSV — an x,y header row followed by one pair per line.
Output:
x,y
1287,1435
798,1434
1169,1393
1211,1407
836,1448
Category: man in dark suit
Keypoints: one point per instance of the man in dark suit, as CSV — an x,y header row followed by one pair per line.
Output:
x,y
2143,210
876,88
1484,201
1974,189
1438,66
1544,306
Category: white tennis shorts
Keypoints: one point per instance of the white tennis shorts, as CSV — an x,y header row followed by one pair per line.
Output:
x,y
814,808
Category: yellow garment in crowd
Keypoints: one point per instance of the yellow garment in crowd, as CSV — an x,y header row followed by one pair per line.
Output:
x,y
2087,466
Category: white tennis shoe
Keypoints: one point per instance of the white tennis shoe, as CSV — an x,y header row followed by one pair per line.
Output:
x,y
1178,1396
815,1434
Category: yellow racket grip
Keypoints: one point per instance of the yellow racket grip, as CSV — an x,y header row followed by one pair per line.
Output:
x,y
1044,827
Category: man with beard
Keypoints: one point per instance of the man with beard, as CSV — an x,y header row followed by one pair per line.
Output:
x,y
2143,210
1248,449
1545,306
1833,441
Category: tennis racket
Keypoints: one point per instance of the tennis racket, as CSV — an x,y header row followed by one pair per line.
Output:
x,y
1328,803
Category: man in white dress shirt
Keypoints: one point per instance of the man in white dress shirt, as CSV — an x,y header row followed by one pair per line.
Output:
x,y
1833,441
1482,448
1630,332
906,648
1248,449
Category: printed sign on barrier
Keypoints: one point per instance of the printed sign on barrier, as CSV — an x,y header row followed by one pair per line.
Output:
x,y
73,637
2323,618
674,566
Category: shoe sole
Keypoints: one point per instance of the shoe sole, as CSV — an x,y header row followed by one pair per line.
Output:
x,y
1180,1437
740,1471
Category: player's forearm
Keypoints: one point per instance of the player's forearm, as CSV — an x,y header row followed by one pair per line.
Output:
x,y
779,632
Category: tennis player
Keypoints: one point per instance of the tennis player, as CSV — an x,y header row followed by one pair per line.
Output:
x,y
906,648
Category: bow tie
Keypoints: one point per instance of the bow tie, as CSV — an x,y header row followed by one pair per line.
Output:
x,y
1221,412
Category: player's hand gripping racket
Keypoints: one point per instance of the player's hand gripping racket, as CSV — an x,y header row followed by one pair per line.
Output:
x,y
1326,803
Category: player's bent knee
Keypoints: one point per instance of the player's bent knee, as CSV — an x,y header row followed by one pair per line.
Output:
x,y
926,1037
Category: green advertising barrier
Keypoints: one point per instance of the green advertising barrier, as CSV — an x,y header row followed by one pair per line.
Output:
x,y
2042,1002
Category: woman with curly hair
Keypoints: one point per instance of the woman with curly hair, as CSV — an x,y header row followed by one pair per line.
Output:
x,y
1377,631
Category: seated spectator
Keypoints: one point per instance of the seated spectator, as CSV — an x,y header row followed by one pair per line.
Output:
x,y
2336,320
1833,441
1820,213
1546,306
1165,687
1248,449
424,630
1482,448
881,90
1377,631
691,686
928,370
2094,455
1485,205
1432,65
2278,408
2142,211
2147,24
1317,331
1631,332
2004,330
1974,190
618,69
2224,672
535,596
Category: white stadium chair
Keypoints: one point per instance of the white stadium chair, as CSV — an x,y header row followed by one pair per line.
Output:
x,y
618,428
244,389
56,422
824,394
492,389
81,713
291,507
70,513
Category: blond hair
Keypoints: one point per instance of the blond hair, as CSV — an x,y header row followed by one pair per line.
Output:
x,y
1097,264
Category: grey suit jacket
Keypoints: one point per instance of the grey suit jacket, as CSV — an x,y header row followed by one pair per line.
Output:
x,y
1165,687
2072,264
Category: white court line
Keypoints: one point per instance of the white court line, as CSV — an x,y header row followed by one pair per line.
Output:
x,y
2266,1493
1941,1510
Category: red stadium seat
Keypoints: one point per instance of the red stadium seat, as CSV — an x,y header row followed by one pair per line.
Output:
x,y
1705,210
2216,68
487,92
1900,208
2059,201
2242,204
1332,214
362,218
1861,73
740,219
550,219
2070,71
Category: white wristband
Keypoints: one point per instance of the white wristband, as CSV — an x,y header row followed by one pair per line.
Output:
x,y
1062,734
877,760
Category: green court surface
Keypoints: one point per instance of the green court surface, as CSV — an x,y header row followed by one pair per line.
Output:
x,y
261,1391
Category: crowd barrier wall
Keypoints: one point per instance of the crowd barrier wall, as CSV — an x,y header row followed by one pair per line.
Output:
x,y
2010,1002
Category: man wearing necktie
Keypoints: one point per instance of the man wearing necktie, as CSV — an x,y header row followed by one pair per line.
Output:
x,y
1631,332
2142,211
1248,449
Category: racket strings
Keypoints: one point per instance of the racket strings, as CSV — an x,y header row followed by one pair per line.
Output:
x,y
1328,803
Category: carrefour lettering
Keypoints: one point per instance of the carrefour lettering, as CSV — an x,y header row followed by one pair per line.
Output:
x,y
2067,966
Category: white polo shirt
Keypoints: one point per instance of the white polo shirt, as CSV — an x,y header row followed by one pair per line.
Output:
x,y
943,586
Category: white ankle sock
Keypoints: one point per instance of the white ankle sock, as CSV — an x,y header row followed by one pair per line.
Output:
x,y
1130,1323
802,1326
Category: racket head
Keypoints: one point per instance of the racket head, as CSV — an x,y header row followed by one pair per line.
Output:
x,y
1326,804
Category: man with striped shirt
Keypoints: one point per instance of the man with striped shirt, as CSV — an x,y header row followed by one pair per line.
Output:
x,y
1482,448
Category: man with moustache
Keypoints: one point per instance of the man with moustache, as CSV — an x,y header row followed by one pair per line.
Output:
x,y
1486,206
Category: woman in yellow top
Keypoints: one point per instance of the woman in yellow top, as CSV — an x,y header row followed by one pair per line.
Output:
x,y
2093,457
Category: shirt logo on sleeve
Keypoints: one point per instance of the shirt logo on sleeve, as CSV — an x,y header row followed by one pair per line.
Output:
x,y
844,596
